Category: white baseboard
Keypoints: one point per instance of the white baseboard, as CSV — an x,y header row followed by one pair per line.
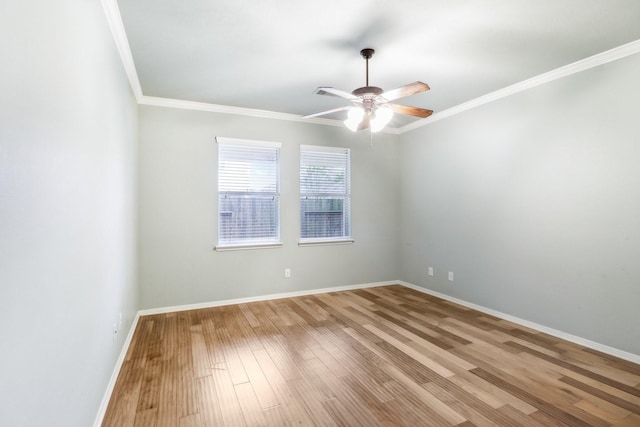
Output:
x,y
541,328
114,375
554,332
262,298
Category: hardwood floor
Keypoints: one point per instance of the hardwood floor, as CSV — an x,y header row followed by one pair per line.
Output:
x,y
387,356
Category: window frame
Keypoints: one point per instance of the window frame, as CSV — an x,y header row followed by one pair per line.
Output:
x,y
230,245
346,238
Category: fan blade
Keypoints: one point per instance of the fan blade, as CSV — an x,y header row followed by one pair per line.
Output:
x,y
410,111
407,90
336,92
335,110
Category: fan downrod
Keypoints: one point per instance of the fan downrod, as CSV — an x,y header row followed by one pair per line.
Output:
x,y
366,53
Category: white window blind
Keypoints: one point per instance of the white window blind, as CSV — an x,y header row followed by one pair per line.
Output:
x,y
248,192
325,194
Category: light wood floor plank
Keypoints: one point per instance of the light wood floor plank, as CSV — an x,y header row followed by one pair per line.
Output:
x,y
190,421
251,409
210,414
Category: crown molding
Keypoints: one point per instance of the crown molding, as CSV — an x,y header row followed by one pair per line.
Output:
x,y
226,109
249,112
584,64
114,19
122,43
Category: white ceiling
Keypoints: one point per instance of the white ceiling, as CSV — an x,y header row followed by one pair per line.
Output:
x,y
272,54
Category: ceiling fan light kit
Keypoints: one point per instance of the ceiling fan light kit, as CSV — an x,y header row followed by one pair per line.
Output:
x,y
371,105
354,117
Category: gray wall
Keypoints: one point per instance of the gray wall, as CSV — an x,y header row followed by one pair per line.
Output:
x,y
67,211
178,205
533,202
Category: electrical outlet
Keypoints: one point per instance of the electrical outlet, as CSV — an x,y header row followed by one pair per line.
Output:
x,y
430,273
287,273
451,276
115,332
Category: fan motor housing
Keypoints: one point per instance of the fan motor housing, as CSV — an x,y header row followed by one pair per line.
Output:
x,y
371,91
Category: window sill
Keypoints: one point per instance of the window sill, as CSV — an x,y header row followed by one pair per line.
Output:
x,y
325,242
226,248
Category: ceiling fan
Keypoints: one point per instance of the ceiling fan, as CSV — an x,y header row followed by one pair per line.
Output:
x,y
372,108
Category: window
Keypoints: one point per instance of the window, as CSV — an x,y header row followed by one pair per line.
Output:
x,y
248,193
325,194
